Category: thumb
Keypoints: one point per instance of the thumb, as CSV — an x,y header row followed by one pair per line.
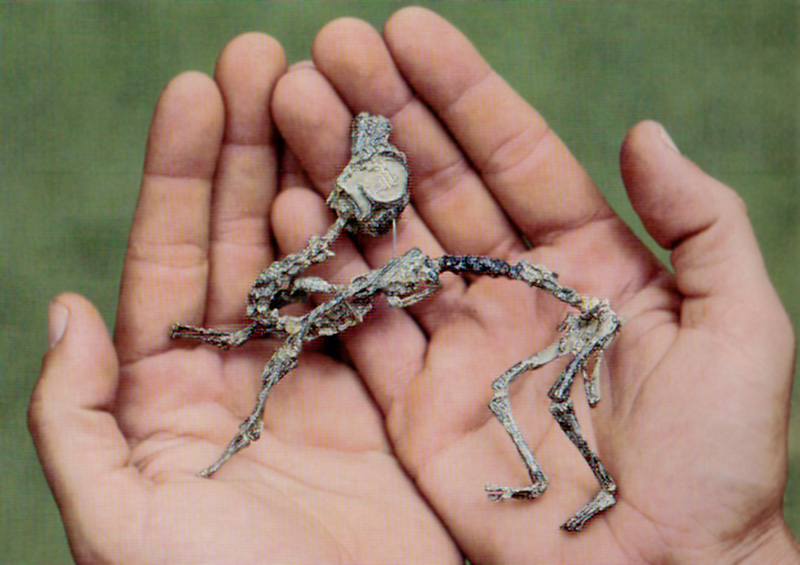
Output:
x,y
719,270
76,436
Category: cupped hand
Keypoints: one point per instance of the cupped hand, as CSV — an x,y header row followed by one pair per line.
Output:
x,y
123,427
696,388
380,451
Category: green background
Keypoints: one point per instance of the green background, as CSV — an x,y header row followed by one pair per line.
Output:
x,y
78,82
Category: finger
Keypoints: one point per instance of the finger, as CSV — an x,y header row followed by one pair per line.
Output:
x,y
530,172
246,178
718,265
314,123
299,213
81,449
316,126
165,274
447,193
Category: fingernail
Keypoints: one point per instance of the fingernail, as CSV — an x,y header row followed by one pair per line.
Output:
x,y
57,316
668,140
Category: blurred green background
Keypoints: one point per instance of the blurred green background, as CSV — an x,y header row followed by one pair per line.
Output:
x,y
78,82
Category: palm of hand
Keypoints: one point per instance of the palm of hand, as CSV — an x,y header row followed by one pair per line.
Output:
x,y
315,488
655,429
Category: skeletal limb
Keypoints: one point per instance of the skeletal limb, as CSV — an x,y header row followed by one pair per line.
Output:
x,y
565,416
297,291
217,338
586,335
275,286
282,361
501,408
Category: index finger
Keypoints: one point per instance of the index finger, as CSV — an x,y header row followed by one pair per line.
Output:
x,y
537,181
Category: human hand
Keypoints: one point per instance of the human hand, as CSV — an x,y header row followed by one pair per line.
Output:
x,y
696,388
122,428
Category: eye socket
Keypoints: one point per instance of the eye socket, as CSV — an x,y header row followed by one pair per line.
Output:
x,y
343,204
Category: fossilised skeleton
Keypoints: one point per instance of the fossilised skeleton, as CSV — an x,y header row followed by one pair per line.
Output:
x,y
369,195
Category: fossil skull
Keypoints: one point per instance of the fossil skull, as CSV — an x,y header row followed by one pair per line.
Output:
x,y
372,190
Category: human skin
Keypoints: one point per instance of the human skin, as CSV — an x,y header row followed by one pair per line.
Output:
x,y
377,448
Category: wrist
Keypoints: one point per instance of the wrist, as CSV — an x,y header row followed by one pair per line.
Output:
x,y
774,544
